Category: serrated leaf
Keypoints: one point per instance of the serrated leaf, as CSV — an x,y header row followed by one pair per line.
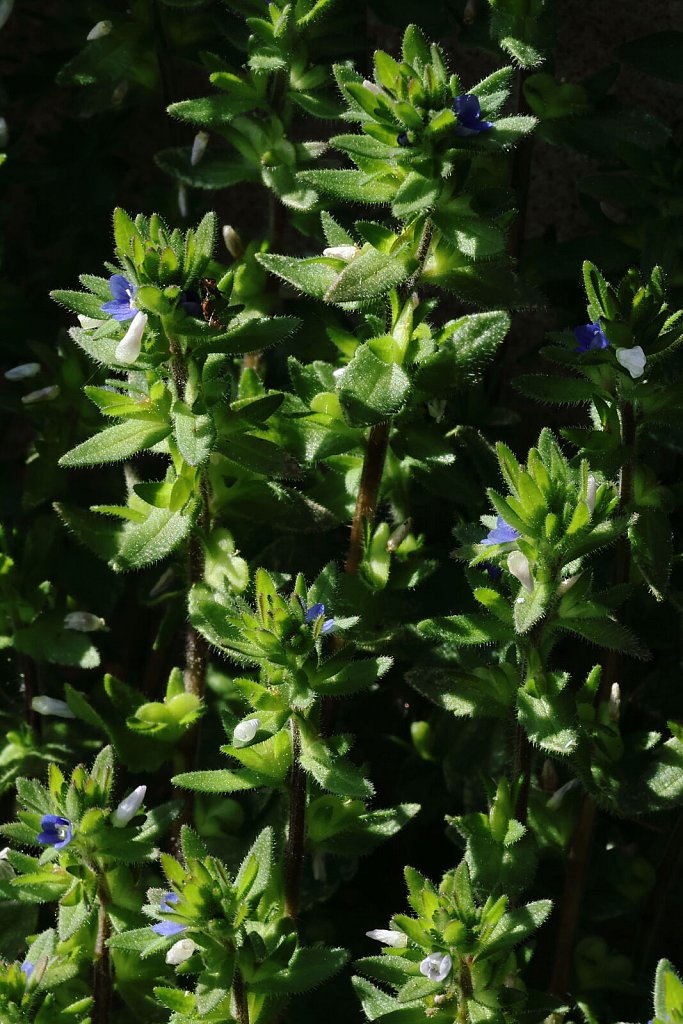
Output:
x,y
309,967
369,274
113,444
372,391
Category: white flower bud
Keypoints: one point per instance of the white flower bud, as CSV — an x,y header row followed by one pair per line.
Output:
x,y
632,359
199,144
128,349
567,584
88,322
339,372
51,706
99,31
341,252
388,937
245,731
518,564
558,796
591,491
22,372
614,706
180,951
83,622
41,395
436,966
377,90
183,204
233,242
4,852
436,407
129,807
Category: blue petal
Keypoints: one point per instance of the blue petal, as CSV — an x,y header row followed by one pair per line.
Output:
x,y
327,625
120,288
53,819
590,337
27,968
168,900
467,108
314,612
502,533
168,928
48,838
119,310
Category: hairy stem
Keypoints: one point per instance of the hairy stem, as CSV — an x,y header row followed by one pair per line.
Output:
x,y
240,994
368,493
297,827
523,761
102,979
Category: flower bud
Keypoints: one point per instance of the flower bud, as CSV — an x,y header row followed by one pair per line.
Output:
x,y
83,622
183,204
233,242
180,951
436,407
340,252
99,31
41,395
518,565
199,144
567,584
632,359
339,372
245,731
129,807
388,937
89,322
614,706
555,801
22,372
128,349
51,706
591,491
377,90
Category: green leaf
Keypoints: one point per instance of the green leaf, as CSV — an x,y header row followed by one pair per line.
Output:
x,y
312,276
309,967
516,927
353,677
113,444
251,335
80,302
47,639
214,171
548,722
476,238
254,873
466,630
529,608
557,390
222,780
141,544
372,391
195,434
352,186
605,632
652,547
208,111
417,194
668,992
323,760
370,273
199,249
465,347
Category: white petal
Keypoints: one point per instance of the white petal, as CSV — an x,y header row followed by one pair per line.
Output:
x,y
51,706
373,88
199,144
83,622
22,372
567,584
341,252
591,491
339,372
632,359
558,796
88,322
4,852
99,31
180,951
245,731
233,242
41,395
128,349
183,204
129,807
518,564
388,937
436,966
614,706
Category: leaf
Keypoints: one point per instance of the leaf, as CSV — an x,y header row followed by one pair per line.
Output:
x,y
417,194
222,780
606,633
371,390
208,111
310,966
355,676
251,335
466,630
668,992
375,1001
261,853
652,547
516,927
548,722
142,544
199,249
331,770
476,238
113,444
47,639
80,302
312,276
557,390
370,273
214,171
462,355
194,434
529,608
352,186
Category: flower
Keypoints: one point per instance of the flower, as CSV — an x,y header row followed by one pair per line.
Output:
x,y
199,144
502,533
122,306
41,395
590,337
518,565
632,359
27,969
591,491
191,302
166,904
51,706
341,252
22,372
402,139
57,831
468,112
436,966
555,800
389,937
233,242
245,731
376,90
614,705
99,31
129,807
128,349
315,612
183,204
83,622
180,951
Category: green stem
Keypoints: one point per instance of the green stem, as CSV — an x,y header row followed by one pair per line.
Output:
x,y
102,979
240,994
368,493
297,827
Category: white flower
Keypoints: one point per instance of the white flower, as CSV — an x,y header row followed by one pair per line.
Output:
x,y
233,242
436,966
245,731
339,372
128,349
397,940
373,88
199,144
632,359
558,796
183,205
180,951
4,852
340,252
52,706
518,564
436,407
614,706
99,31
129,807
41,395
591,491
88,322
83,622
22,372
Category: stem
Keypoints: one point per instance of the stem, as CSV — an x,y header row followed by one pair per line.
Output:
x,y
240,994
523,761
102,980
368,493
297,827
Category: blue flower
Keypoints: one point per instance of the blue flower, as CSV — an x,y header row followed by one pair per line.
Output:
x,y
402,139
315,612
56,832
27,969
468,112
166,904
590,337
122,306
191,303
502,533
